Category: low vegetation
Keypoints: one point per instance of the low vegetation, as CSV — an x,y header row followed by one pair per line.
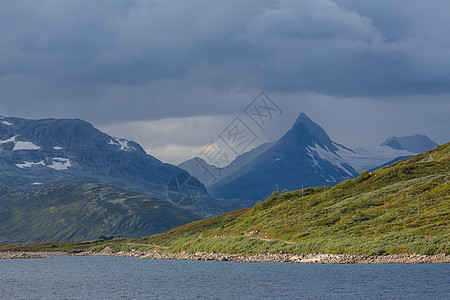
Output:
x,y
402,208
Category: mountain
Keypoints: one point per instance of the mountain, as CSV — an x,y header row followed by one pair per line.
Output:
x,y
401,208
196,165
413,143
84,212
306,156
201,170
36,154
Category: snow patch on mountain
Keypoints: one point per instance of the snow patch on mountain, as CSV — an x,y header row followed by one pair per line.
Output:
x,y
122,143
326,154
6,123
359,159
25,146
313,159
10,140
20,145
58,148
59,163
29,164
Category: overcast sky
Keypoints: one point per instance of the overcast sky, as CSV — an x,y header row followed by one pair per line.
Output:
x,y
172,75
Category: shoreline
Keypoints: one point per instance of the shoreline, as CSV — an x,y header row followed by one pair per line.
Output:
x,y
313,258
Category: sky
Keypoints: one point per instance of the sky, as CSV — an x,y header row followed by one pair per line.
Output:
x,y
172,75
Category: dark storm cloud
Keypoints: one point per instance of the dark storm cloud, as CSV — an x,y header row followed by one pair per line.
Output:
x,y
119,60
329,48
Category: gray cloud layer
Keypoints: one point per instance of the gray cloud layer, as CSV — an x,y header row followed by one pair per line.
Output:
x,y
113,61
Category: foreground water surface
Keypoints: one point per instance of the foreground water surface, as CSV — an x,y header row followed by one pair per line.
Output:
x,y
68,277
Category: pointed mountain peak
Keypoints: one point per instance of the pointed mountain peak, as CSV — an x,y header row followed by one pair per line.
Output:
x,y
303,118
314,129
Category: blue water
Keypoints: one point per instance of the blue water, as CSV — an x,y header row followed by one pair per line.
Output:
x,y
65,277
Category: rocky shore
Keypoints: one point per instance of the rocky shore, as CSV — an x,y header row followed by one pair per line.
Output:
x,y
290,258
25,255
314,258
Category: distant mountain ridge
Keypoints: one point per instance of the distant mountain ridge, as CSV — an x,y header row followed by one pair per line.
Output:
x,y
195,165
413,143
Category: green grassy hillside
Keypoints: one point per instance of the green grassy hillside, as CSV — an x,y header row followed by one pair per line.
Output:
x,y
400,208
84,212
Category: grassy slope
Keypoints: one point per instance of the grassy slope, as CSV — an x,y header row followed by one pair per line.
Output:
x,y
375,213
84,212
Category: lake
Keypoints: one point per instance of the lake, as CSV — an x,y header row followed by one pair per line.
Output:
x,y
68,277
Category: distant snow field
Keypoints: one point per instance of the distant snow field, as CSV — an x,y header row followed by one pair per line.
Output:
x,y
359,159
370,157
